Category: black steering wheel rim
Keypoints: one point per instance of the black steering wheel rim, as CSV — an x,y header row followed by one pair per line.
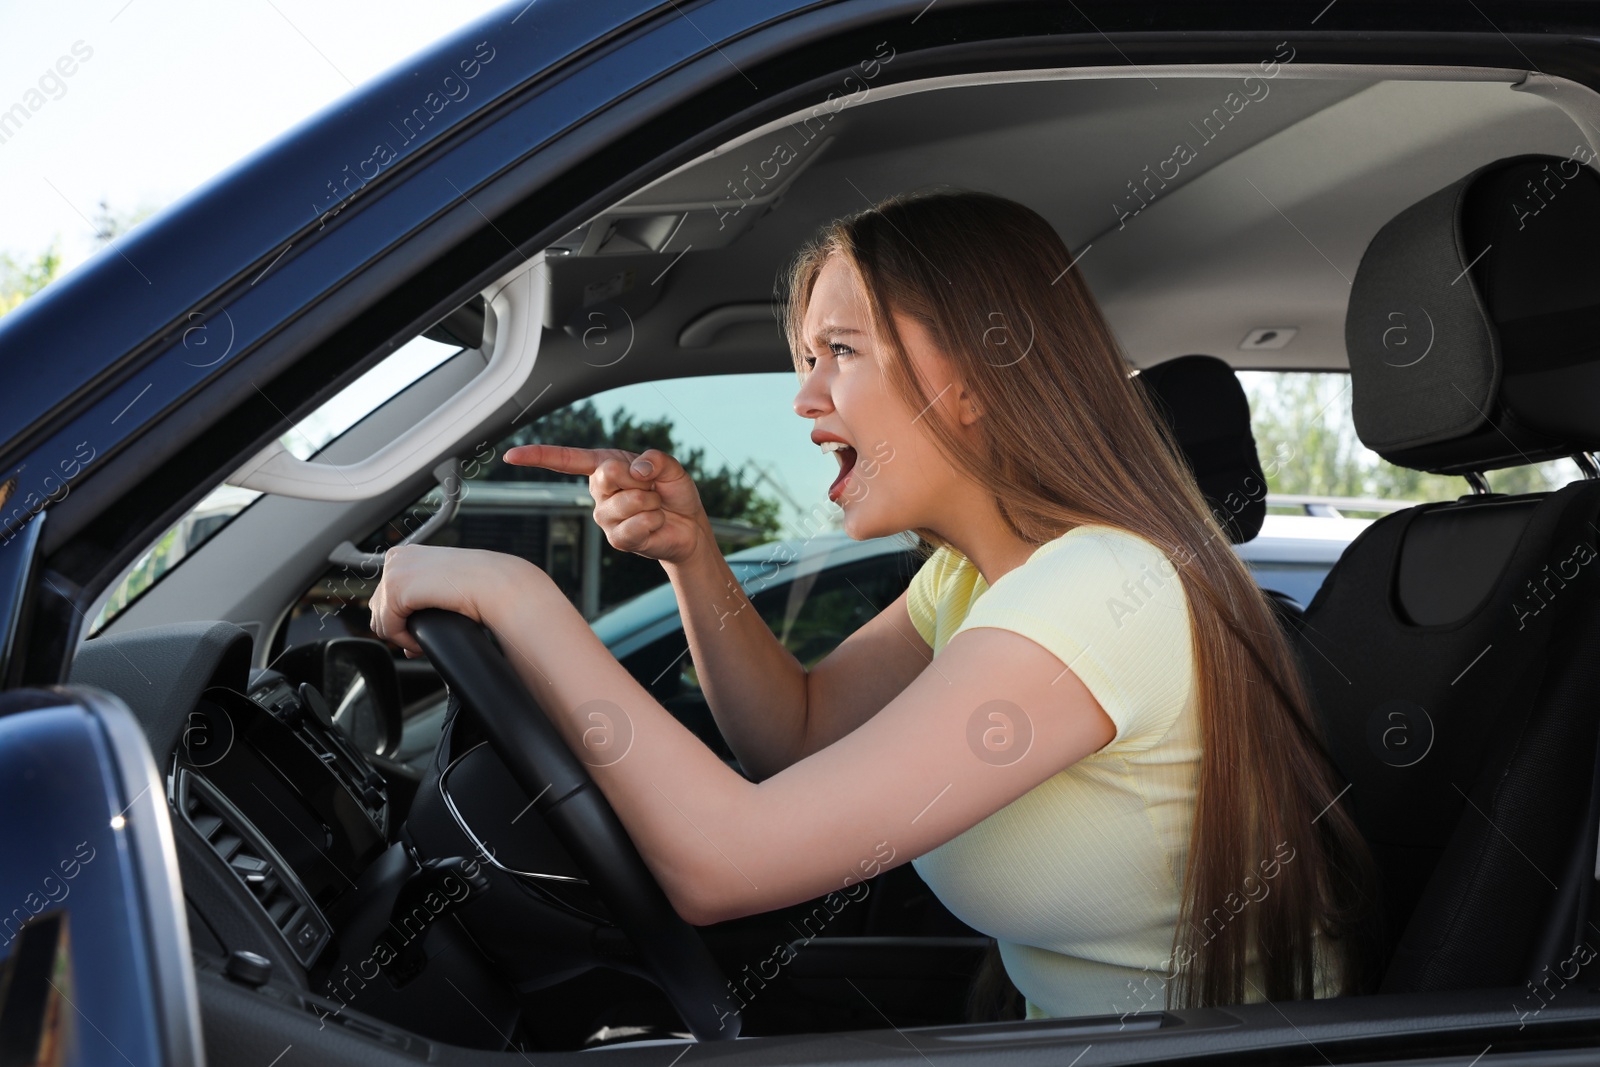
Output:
x,y
578,813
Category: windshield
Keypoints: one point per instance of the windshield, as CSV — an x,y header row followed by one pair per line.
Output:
x,y
197,527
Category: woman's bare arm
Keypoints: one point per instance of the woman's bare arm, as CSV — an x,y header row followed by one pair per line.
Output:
x,y
754,686
771,712
770,709
721,847
856,680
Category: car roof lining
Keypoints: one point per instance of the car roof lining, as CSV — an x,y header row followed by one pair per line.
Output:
x,y
1263,229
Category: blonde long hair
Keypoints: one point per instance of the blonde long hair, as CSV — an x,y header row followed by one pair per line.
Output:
x,y
1068,438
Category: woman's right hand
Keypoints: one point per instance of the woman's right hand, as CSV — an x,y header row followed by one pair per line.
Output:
x,y
657,514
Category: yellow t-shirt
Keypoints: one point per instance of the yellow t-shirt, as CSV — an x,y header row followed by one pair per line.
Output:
x,y
1079,879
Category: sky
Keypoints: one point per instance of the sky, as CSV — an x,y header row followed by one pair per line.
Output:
x,y
164,95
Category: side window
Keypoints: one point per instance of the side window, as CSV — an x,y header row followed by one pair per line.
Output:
x,y
813,614
1306,436
1323,486
751,457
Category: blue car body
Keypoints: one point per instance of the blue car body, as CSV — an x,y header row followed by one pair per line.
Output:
x,y
135,384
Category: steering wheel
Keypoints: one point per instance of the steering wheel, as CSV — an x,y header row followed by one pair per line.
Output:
x,y
579,815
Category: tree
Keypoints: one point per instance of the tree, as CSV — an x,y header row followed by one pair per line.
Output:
x,y
1306,418
724,492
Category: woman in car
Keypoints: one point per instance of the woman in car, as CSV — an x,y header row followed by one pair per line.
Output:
x,y
1081,722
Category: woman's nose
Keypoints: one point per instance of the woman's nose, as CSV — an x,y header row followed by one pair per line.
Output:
x,y
813,400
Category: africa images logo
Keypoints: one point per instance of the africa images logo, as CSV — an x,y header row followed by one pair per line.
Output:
x,y
52,82
1253,89
412,126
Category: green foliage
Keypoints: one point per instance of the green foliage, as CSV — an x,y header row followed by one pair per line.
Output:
x,y
109,225
20,279
155,563
1306,418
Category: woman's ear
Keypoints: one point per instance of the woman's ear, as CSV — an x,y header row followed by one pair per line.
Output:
x,y
969,407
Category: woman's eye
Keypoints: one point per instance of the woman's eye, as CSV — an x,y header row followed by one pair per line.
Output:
x,y
838,348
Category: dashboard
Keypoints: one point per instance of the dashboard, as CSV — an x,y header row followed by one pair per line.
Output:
x,y
285,801
303,881
415,908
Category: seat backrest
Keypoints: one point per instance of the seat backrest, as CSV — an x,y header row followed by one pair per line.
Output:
x,y
1453,652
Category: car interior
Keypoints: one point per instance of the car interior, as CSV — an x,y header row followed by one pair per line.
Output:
x,y
413,902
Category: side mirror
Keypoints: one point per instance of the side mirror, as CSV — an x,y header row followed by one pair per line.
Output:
x,y
358,678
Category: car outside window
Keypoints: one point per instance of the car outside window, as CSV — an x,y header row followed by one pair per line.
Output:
x,y
1324,486
1303,418
810,614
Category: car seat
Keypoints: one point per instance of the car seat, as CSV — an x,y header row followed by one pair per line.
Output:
x,y
1453,652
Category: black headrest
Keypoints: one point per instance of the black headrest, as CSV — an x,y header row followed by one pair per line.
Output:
x,y
1473,330
1206,408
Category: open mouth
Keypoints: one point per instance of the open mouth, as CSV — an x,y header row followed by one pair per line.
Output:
x,y
847,462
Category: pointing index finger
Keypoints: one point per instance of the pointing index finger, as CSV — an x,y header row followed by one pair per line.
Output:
x,y
561,458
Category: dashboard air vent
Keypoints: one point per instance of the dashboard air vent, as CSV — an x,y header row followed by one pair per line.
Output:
x,y
256,864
